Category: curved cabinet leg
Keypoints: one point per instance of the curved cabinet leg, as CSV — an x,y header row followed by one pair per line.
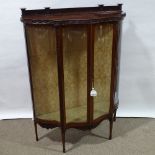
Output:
x,y
110,128
63,140
36,131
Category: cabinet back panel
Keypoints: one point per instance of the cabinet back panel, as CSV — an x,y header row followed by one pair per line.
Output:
x,y
43,66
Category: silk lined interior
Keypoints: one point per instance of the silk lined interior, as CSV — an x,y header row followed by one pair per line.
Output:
x,y
102,68
75,72
43,59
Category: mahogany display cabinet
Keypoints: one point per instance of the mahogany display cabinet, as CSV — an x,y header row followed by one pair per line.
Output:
x,y
73,59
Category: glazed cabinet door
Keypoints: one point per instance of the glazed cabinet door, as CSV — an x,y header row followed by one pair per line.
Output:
x,y
103,40
75,72
42,56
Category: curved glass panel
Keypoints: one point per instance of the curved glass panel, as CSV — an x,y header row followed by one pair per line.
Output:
x,y
102,68
43,60
75,72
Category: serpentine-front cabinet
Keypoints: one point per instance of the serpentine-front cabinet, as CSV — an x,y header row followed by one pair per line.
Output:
x,y
73,59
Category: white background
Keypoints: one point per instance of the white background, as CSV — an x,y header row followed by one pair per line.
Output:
x,y
137,76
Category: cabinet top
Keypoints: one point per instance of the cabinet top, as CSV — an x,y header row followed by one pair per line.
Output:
x,y
65,16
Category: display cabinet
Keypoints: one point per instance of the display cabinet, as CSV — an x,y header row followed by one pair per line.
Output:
x,y
73,60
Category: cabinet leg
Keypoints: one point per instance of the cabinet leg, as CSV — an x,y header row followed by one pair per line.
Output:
x,y
110,129
36,131
63,140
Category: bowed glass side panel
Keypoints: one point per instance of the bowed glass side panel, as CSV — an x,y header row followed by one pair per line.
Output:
x,y
75,72
41,40
102,68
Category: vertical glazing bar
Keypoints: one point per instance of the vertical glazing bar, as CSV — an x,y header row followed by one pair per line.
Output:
x,y
113,68
90,69
117,64
59,43
113,77
88,73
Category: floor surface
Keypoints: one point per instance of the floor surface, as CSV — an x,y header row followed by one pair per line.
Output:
x,y
131,136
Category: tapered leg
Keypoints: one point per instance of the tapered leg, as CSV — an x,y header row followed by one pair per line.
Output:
x,y
63,139
36,131
111,126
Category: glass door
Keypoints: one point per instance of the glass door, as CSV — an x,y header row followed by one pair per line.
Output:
x,y
103,38
41,40
75,72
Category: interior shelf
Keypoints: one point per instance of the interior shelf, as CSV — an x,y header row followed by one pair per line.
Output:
x,y
75,114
